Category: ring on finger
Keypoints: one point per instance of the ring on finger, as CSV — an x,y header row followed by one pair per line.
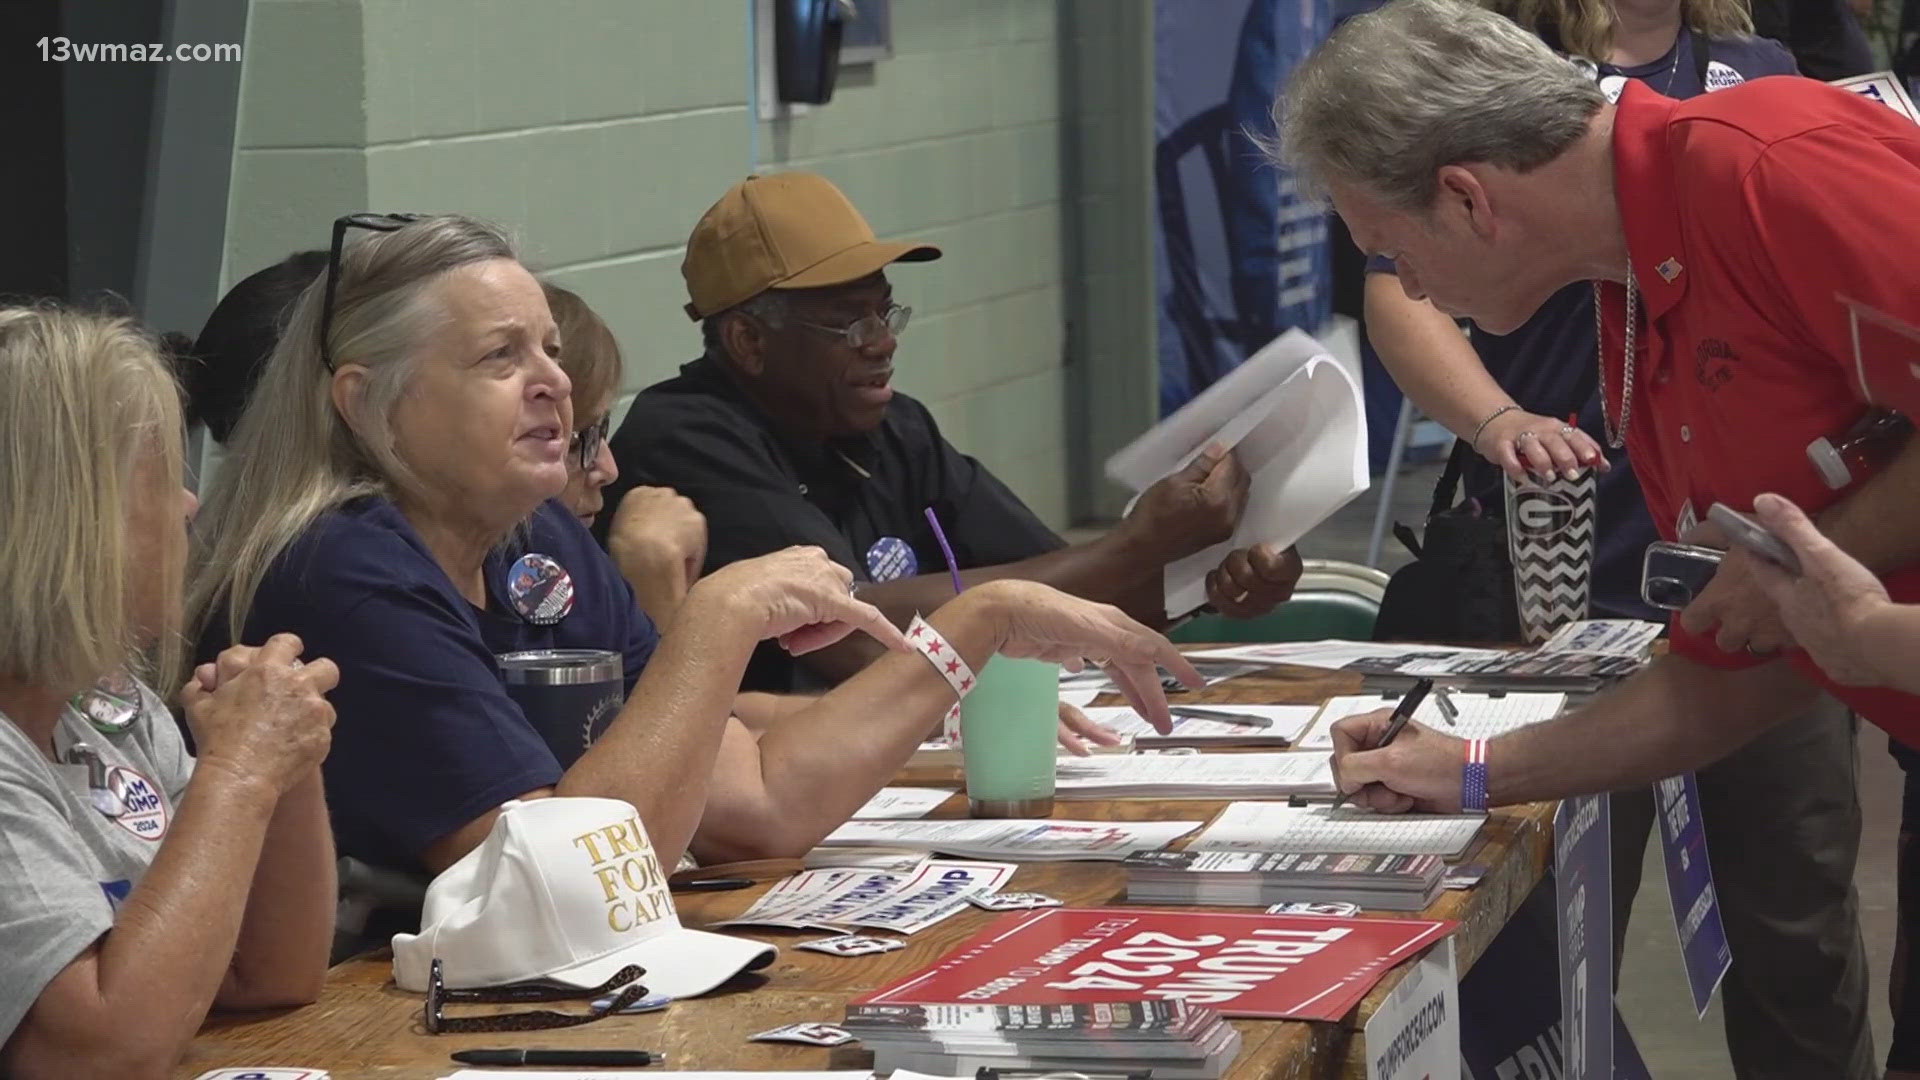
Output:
x,y
1566,431
1527,435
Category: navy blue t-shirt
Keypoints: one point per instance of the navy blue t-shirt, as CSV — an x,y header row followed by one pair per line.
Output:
x,y
1548,364
426,738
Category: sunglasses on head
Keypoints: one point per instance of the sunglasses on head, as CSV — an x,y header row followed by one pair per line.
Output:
x,y
438,997
370,222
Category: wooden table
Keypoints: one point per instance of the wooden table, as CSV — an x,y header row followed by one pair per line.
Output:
x,y
363,1026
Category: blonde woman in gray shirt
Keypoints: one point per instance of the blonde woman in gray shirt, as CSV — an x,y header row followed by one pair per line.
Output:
x,y
138,890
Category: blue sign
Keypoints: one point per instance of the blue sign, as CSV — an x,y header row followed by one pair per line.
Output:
x,y
1583,895
1510,1004
1696,907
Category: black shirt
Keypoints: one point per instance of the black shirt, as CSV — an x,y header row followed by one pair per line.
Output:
x,y
698,434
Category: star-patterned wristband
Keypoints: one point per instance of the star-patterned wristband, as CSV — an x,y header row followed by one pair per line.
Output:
x,y
943,656
1473,783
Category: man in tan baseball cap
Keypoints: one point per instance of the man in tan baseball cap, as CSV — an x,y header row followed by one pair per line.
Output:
x,y
788,431
786,231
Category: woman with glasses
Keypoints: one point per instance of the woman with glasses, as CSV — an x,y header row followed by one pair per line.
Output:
x,y
657,538
395,473
138,888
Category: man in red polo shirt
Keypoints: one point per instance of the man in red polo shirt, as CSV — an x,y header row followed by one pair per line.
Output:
x,y
1722,228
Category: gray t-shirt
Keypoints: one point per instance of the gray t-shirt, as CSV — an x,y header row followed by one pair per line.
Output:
x,y
65,863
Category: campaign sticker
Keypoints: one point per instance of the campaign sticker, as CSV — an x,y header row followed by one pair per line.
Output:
x,y
852,945
1339,909
112,704
890,559
650,1003
809,1034
1013,901
540,589
1464,876
143,809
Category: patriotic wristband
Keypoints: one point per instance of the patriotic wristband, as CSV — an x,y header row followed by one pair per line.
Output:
x,y
944,657
1473,783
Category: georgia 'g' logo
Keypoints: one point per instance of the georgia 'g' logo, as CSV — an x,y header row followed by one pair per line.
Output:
x,y
1541,515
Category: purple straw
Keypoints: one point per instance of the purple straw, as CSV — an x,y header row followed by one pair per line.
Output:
x,y
946,549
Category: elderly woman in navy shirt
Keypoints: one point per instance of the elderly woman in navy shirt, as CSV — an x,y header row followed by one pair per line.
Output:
x,y
390,481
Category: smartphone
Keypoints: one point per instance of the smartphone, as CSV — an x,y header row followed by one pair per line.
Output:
x,y
1754,536
1673,574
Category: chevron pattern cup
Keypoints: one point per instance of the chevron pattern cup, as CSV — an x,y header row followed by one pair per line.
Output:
x,y
1550,538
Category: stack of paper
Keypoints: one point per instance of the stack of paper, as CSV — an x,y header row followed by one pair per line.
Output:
x,y
834,899
1194,776
1170,1039
1256,879
1296,421
1481,716
1581,657
1210,726
1014,840
1350,830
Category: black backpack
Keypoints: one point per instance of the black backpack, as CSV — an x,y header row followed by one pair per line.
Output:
x,y
1459,587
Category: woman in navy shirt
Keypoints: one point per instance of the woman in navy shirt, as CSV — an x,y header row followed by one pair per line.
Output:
x,y
387,497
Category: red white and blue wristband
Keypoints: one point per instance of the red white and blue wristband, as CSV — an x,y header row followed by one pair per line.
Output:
x,y
943,656
1473,782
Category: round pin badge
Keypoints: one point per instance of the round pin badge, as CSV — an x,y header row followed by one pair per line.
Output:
x,y
112,704
540,589
890,558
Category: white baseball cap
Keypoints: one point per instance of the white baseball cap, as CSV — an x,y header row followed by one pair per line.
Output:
x,y
564,890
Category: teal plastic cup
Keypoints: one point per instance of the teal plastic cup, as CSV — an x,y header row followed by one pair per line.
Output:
x,y
1007,728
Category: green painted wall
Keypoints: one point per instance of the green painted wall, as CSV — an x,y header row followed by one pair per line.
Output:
x,y
599,130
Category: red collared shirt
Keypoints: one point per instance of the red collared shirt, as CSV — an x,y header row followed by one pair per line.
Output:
x,y
1746,212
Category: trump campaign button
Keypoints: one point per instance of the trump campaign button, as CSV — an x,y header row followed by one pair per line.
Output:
x,y
540,589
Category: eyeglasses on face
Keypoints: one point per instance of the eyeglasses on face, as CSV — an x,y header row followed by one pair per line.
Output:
x,y
370,222
438,997
868,329
586,443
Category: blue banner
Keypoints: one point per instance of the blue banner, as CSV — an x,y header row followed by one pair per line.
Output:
x,y
1696,907
1510,1004
1583,894
1240,257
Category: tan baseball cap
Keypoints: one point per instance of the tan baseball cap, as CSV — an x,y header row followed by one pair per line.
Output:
x,y
790,230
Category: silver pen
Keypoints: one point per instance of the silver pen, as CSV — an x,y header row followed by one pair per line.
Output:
x,y
1448,710
1225,716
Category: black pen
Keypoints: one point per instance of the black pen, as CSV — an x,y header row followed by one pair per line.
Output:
x,y
719,884
579,1058
1225,716
1402,713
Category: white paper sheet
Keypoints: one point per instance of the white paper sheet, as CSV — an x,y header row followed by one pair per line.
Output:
x,y
1194,776
1296,421
1482,716
1320,829
1288,722
902,803
834,899
1081,696
1016,840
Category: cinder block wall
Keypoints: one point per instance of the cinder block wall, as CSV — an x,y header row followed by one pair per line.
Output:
x,y
598,130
